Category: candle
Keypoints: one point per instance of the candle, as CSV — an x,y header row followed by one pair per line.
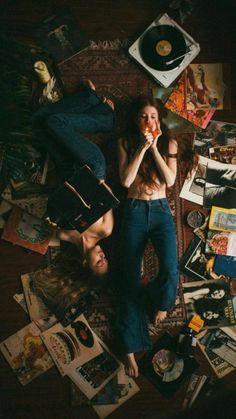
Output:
x,y
42,71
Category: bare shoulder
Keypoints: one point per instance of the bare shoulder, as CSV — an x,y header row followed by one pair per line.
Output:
x,y
173,145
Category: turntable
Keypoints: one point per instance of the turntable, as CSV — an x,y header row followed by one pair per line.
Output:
x,y
164,49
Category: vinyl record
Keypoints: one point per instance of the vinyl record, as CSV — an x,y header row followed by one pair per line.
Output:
x,y
161,44
83,334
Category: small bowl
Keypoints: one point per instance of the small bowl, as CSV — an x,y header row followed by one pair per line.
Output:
x,y
195,219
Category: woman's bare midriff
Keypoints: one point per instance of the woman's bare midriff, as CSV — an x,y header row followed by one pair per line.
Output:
x,y
135,192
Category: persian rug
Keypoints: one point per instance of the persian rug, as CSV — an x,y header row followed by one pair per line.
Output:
x,y
119,78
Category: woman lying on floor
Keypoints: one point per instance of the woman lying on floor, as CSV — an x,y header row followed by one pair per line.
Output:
x,y
147,165
66,119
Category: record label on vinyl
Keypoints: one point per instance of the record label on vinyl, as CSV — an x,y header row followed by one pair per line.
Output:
x,y
83,333
161,46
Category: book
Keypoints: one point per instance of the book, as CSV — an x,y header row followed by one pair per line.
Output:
x,y
80,201
26,353
27,231
164,368
216,134
61,36
220,367
208,86
211,300
37,310
176,103
197,265
224,154
79,354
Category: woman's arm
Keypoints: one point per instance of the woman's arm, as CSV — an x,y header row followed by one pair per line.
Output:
x,y
128,170
107,224
168,168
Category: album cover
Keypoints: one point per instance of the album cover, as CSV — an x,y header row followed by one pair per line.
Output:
x,y
20,299
216,134
123,389
221,243
195,385
220,185
164,368
71,346
197,265
80,201
193,187
211,300
222,342
176,103
93,375
208,86
220,367
225,265
224,154
26,353
61,36
37,310
36,206
27,231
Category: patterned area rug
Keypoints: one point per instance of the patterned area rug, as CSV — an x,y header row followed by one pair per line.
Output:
x,y
116,76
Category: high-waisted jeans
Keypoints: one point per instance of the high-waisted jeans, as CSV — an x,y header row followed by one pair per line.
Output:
x,y
66,119
143,220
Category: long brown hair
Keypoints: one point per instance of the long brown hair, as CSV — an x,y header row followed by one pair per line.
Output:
x,y
148,170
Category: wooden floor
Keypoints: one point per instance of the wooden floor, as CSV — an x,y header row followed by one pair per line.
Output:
x,y
212,25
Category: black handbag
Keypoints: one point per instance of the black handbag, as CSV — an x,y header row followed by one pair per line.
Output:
x,y
80,201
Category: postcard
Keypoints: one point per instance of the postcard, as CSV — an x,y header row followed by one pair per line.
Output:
x,y
198,265
72,346
26,353
211,300
218,364
27,231
221,243
208,86
222,219
38,312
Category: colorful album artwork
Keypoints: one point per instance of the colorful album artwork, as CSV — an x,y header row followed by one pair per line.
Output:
x,y
27,231
207,86
176,103
26,353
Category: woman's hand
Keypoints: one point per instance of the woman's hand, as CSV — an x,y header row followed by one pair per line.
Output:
x,y
156,134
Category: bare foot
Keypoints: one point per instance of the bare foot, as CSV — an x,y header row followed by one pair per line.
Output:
x,y
90,84
132,367
109,102
72,236
160,315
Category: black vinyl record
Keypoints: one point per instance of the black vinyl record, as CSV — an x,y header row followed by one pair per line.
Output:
x,y
83,334
161,44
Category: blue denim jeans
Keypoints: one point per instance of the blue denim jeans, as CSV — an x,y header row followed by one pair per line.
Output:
x,y
66,119
143,220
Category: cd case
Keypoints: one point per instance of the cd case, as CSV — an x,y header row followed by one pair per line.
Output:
x,y
80,201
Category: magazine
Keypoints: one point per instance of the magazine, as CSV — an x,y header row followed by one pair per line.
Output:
x,y
217,133
222,342
218,364
26,353
176,103
222,219
61,36
198,265
38,312
207,86
223,154
211,300
27,231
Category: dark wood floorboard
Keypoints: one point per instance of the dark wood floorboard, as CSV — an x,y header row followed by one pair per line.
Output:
x,y
213,26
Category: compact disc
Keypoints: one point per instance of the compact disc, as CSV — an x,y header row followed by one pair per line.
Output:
x,y
83,334
162,44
